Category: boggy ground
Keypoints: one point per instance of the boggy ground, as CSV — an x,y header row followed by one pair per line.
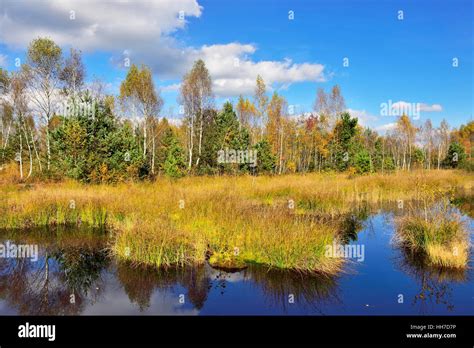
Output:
x,y
281,221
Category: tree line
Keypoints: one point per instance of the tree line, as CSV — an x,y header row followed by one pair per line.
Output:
x,y
53,125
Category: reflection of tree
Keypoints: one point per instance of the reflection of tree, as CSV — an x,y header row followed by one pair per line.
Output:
x,y
434,282
465,203
197,282
80,266
44,287
309,290
140,282
32,288
351,224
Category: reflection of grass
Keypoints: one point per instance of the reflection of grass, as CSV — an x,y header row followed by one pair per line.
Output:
x,y
465,203
219,214
441,237
434,281
416,263
309,290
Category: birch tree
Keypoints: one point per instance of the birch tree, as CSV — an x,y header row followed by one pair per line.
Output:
x,y
443,141
44,59
19,102
73,73
427,137
261,101
6,111
196,97
138,94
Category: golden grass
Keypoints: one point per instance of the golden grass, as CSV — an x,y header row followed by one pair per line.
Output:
x,y
438,232
182,222
455,255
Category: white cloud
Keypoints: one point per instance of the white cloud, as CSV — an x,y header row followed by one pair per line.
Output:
x,y
431,108
235,73
97,24
3,60
403,105
363,116
386,127
143,32
142,28
174,121
170,88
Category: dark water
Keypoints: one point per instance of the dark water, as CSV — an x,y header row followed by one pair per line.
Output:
x,y
77,262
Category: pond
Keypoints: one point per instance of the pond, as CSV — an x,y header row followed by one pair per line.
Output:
x,y
75,275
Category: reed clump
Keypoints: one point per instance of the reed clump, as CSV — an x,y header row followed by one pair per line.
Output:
x,y
232,220
436,230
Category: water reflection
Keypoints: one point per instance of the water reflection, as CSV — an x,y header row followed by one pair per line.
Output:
x,y
434,284
353,223
61,281
141,282
76,264
312,292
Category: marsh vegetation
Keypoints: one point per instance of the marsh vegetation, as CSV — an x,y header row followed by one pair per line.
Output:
x,y
280,222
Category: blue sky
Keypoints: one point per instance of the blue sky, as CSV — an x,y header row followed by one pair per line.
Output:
x,y
407,61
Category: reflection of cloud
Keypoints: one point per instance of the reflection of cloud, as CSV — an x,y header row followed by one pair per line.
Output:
x,y
230,277
6,309
114,301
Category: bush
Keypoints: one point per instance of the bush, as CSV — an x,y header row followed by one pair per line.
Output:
x,y
362,162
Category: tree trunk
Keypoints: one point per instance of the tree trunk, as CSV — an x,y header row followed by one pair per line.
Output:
x,y
191,142
144,138
6,138
20,159
383,154
439,154
281,152
29,152
200,142
48,146
153,154
201,127
36,152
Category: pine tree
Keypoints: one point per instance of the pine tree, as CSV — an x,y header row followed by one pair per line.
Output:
x,y
266,161
174,164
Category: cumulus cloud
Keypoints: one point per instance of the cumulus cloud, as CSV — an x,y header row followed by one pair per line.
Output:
x,y
95,24
234,72
386,127
3,60
143,31
363,116
431,108
171,88
403,105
